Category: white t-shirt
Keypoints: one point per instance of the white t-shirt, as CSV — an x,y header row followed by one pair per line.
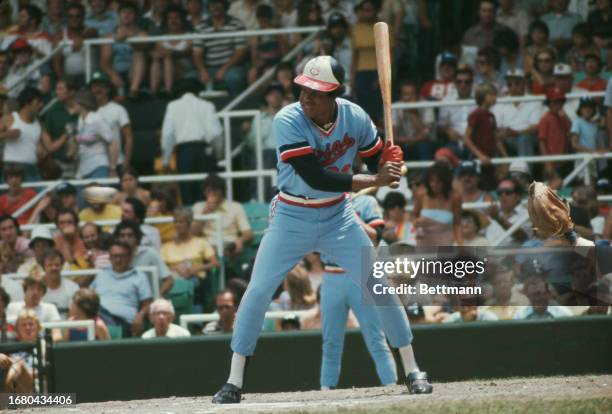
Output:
x,y
13,288
46,312
62,296
174,331
22,149
116,117
94,135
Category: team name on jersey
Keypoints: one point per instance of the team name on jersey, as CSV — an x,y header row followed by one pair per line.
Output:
x,y
334,151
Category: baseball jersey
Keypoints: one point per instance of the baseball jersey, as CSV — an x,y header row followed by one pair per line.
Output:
x,y
296,135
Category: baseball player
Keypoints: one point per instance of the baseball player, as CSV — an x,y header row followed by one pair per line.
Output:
x,y
317,140
339,294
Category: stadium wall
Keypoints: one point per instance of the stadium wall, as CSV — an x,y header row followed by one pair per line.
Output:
x,y
288,361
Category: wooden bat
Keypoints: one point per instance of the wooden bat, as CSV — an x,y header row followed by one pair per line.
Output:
x,y
383,64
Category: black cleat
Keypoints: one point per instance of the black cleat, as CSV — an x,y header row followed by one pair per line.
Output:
x,y
418,383
228,394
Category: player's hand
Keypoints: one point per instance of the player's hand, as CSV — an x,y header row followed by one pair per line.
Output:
x,y
392,153
390,174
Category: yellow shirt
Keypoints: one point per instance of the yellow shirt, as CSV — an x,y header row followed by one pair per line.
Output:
x,y
233,221
195,251
110,212
166,230
362,38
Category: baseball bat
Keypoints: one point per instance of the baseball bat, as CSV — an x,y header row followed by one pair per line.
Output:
x,y
383,65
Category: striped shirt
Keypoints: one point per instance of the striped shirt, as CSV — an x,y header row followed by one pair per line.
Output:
x,y
218,51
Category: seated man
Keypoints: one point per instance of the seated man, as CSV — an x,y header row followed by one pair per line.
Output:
x,y
469,311
236,228
161,315
541,304
40,243
33,291
129,232
505,300
125,293
100,204
133,208
59,291
226,308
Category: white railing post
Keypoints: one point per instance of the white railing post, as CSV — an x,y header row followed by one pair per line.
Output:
x,y
228,155
88,62
259,157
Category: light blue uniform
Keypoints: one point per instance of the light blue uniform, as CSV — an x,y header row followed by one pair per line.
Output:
x,y
331,228
338,295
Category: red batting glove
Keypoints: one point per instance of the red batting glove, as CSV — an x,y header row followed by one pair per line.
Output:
x,y
392,153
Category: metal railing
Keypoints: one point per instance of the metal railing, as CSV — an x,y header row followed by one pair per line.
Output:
x,y
185,320
89,324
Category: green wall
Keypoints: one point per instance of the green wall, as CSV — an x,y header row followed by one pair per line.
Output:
x,y
134,368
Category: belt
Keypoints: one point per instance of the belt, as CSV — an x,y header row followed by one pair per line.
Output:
x,y
310,202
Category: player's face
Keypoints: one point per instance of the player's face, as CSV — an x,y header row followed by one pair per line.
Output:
x,y
316,104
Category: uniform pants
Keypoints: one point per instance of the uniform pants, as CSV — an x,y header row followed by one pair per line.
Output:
x,y
293,232
338,295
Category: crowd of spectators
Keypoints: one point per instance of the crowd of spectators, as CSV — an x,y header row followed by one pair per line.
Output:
x,y
515,48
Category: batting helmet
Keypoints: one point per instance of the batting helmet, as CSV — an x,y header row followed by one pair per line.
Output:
x,y
322,73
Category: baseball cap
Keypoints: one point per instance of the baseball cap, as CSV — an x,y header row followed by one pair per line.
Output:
x,y
562,69
603,184
336,19
20,44
515,73
519,167
448,59
322,73
66,188
41,233
555,94
468,168
99,76
447,154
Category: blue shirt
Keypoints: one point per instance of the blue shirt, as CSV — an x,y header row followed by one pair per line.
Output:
x,y
586,131
296,135
122,293
104,27
560,25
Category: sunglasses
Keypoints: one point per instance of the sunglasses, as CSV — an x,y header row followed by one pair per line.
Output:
x,y
505,191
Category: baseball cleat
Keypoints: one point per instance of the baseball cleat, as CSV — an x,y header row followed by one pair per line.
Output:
x,y
418,383
228,394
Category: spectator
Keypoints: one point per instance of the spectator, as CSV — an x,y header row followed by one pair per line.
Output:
x,y
542,78
398,227
583,134
481,134
470,227
298,293
71,62
171,59
509,211
96,242
314,267
115,116
11,239
268,50
246,11
453,119
153,20
4,301
190,126
438,89
33,292
98,150
125,293
584,287
560,23
236,228
195,14
487,68
437,210
342,7
541,306
100,205
101,18
518,122
470,313
221,60
506,300
86,306
40,244
17,196
225,304
579,211
161,315
162,205
130,188
21,132
133,209
516,18
190,257
284,75
129,232
413,126
538,40
68,240
20,369
468,173
28,27
482,33
339,31
599,21
592,82
67,196
12,289
59,290
60,125
507,44
55,21
583,45
554,127
124,63
22,65
363,72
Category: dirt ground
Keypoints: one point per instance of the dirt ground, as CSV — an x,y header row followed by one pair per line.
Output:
x,y
560,392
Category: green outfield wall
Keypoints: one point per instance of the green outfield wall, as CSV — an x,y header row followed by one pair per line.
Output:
x,y
288,361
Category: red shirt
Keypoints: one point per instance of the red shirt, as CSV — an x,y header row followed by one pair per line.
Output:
x,y
10,206
483,125
437,89
593,85
539,89
554,132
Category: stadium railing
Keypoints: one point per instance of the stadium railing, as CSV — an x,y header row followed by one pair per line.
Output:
x,y
186,320
89,324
